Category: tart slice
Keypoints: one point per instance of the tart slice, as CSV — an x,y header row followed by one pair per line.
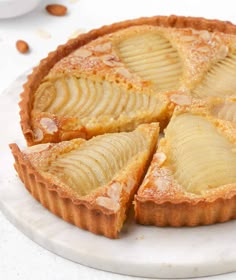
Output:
x,y
89,183
192,178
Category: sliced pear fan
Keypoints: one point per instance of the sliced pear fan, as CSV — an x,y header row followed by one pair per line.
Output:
x,y
152,56
220,80
201,156
97,161
82,98
226,111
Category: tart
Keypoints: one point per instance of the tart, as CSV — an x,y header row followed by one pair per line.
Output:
x,y
89,183
192,178
118,80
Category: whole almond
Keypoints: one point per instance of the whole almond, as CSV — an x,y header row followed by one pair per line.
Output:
x,y
56,9
22,46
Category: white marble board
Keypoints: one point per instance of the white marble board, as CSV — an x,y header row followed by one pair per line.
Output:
x,y
140,251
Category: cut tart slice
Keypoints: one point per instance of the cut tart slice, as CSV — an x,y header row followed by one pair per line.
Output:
x,y
192,178
89,183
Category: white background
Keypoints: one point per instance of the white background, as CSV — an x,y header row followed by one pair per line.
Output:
x,y
20,258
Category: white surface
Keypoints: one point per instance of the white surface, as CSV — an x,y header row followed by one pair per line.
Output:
x,y
20,258
140,251
12,8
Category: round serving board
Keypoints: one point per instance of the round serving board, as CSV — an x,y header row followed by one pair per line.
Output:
x,y
140,251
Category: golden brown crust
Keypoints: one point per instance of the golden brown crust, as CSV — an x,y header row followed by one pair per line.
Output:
x,y
46,64
148,212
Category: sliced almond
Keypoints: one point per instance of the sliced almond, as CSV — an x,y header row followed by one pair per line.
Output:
x,y
181,99
162,184
83,53
160,158
108,203
22,46
114,191
203,49
129,185
43,34
103,47
56,9
77,32
124,72
49,125
223,51
38,134
205,35
110,60
36,148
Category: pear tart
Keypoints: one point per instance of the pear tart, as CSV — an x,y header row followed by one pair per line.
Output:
x,y
192,178
96,98
89,183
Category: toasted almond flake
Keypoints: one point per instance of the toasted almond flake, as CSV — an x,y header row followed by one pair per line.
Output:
x,y
160,158
181,99
109,60
103,47
38,134
205,35
141,237
36,148
188,38
203,49
223,51
162,172
195,32
76,33
43,34
108,203
161,184
114,191
130,184
49,125
83,53
148,192
124,72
